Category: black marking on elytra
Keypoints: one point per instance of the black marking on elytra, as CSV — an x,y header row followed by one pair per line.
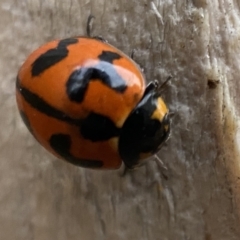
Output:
x,y
26,121
140,133
78,81
94,127
52,56
38,103
98,128
61,144
109,56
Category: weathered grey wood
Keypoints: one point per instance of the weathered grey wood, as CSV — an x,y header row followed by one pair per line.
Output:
x,y
197,42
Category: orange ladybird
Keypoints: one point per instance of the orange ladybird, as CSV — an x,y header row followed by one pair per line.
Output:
x,y
87,103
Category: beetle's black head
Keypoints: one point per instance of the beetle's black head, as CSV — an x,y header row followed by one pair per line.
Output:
x,y
146,128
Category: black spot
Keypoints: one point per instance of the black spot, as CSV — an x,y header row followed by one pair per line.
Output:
x,y
108,56
52,56
98,128
94,127
78,81
38,103
26,121
61,144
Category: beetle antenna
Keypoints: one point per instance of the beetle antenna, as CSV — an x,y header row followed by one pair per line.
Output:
x,y
162,86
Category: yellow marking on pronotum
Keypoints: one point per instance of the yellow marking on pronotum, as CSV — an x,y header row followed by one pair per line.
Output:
x,y
160,111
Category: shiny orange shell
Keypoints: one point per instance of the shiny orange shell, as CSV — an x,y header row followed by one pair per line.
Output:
x,y
74,96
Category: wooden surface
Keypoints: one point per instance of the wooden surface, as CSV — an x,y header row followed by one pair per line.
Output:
x,y
196,42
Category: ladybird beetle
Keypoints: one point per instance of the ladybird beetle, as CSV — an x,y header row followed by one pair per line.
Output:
x,y
87,103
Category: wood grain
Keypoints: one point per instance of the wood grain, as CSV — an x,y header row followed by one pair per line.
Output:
x,y
197,43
